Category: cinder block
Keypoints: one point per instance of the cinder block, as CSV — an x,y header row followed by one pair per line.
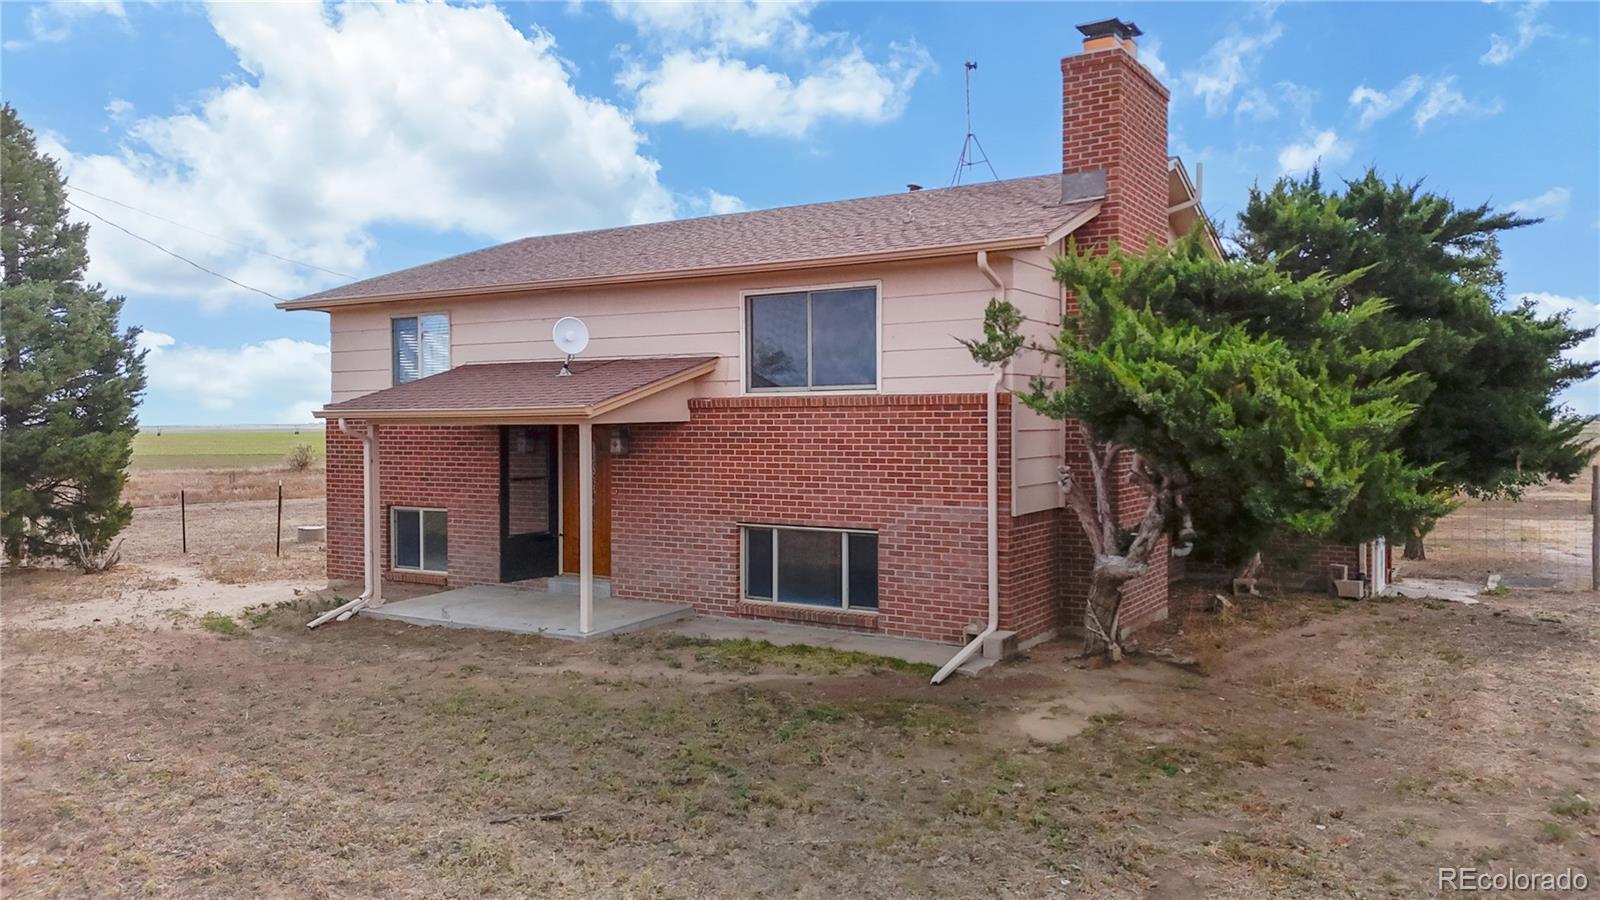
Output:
x,y
1000,645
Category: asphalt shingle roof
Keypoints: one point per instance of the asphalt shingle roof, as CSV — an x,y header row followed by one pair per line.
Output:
x,y
490,387
999,211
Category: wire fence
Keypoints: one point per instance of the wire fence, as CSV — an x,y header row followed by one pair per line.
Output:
x,y
1543,540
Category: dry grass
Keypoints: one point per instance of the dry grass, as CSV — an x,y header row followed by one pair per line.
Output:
x,y
160,487
1334,744
216,748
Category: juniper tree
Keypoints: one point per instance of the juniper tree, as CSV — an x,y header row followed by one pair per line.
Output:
x,y
1173,402
1487,372
70,377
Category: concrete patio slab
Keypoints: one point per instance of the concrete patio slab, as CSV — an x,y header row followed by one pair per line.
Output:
x,y
1435,589
784,633
524,611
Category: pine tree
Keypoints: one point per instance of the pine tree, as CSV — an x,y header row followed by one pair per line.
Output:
x,y
1298,435
69,378
1487,372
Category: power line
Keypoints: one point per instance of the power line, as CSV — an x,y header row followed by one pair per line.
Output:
x,y
295,262
170,253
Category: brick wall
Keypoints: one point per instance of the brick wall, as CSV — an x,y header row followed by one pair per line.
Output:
x,y
911,467
1114,116
455,468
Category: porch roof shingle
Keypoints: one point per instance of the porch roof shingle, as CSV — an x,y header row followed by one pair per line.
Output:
x,y
525,389
992,214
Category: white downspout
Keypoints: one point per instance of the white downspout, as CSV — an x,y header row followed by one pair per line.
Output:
x,y
976,644
372,587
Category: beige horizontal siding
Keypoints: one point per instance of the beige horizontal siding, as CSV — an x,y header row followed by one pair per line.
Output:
x,y
1038,444
925,306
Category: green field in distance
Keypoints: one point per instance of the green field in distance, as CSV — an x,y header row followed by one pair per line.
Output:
x,y
222,448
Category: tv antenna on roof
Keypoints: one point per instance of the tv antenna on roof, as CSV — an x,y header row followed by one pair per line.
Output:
x,y
970,143
570,336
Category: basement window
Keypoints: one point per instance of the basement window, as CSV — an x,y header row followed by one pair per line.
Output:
x,y
419,540
812,340
420,346
811,566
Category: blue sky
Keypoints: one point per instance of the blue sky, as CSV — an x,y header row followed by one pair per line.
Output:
x,y
361,139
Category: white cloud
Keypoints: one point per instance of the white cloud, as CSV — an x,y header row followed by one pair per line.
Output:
x,y
1322,149
154,341
1444,100
1439,98
221,379
1231,62
1262,104
1150,55
1376,105
119,110
1504,49
738,24
431,116
1552,204
52,22
722,204
710,90
701,73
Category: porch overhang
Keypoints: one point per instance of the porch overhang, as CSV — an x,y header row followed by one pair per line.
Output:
x,y
596,391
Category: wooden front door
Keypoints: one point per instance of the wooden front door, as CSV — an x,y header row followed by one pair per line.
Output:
x,y
602,501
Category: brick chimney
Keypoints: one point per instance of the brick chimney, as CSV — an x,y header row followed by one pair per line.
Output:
x,y
1114,137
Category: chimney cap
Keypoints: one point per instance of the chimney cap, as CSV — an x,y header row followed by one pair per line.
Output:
x,y
1117,28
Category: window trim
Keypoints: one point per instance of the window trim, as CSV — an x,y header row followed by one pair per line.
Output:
x,y
746,390
394,564
844,567
449,344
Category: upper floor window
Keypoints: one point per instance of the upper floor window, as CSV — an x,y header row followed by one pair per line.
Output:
x,y
812,340
421,346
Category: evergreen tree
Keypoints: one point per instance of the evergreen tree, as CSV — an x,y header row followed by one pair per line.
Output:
x,y
1299,436
1486,373
69,378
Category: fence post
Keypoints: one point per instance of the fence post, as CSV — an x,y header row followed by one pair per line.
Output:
x,y
183,519
278,551
1594,528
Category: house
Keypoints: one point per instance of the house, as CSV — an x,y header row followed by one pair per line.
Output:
x,y
774,418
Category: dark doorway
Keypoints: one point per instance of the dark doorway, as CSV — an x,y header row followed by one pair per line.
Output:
x,y
528,502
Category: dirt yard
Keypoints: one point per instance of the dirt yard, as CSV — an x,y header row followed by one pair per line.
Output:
x,y
158,738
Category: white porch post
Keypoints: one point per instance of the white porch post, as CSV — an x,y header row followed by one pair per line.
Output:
x,y
585,527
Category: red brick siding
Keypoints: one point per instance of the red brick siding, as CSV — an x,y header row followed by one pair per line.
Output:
x,y
911,467
1114,116
1303,562
455,468
1030,574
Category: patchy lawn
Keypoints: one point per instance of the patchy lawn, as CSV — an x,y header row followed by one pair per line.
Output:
x,y
1329,749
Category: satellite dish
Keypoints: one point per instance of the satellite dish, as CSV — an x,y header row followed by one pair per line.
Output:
x,y
570,336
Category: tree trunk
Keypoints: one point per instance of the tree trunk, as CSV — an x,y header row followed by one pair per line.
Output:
x,y
1100,618
1414,548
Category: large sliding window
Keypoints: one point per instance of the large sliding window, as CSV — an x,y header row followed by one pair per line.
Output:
x,y
419,539
811,566
812,340
420,346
